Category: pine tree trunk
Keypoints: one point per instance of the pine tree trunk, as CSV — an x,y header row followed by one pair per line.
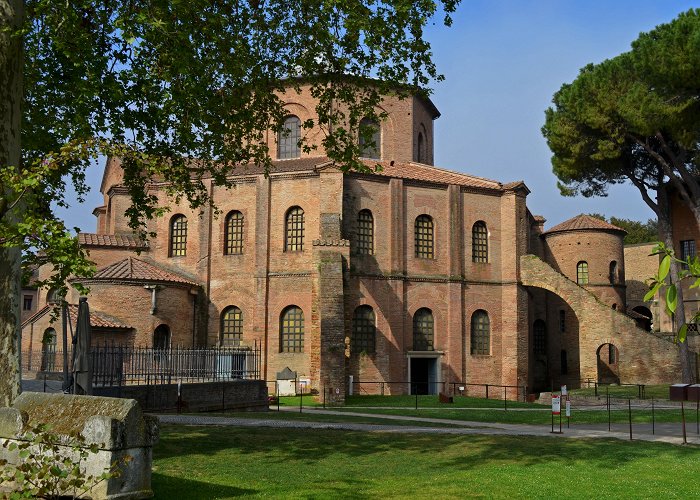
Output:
x,y
11,14
666,235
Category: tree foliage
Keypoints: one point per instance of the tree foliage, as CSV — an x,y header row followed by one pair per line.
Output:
x,y
162,82
637,231
632,119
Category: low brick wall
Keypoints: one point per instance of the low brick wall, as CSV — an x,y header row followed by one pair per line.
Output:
x,y
241,395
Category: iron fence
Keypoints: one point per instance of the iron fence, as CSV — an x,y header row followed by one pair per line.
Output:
x,y
488,391
114,365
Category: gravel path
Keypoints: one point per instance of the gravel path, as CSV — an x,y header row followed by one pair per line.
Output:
x,y
666,433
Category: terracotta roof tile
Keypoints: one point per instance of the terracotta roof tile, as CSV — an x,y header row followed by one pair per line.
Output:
x,y
132,268
428,173
584,222
110,240
405,170
97,319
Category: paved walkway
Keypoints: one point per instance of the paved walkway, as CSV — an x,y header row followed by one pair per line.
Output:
x,y
666,433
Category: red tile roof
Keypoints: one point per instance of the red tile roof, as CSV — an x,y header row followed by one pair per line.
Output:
x,y
97,319
428,173
110,240
584,222
135,269
404,170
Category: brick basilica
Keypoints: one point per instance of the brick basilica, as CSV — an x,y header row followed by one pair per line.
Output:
x,y
413,274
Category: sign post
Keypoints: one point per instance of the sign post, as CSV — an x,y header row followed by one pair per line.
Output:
x,y
556,410
568,412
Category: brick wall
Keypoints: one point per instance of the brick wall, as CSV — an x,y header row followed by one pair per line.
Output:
x,y
240,395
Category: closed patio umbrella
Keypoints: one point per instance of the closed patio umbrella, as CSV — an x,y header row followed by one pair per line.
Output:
x,y
82,371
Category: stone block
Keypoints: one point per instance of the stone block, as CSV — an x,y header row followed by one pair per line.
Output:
x,y
116,426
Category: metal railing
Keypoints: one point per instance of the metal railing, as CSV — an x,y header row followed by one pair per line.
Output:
x,y
488,391
597,386
114,365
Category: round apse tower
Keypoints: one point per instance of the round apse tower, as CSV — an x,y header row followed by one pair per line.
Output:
x,y
590,252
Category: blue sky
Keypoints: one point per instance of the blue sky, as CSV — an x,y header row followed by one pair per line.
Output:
x,y
503,60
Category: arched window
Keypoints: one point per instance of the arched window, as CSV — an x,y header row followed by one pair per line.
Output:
x,y
365,232
161,338
292,330
48,350
480,242
288,139
481,333
424,235
370,139
294,230
613,272
52,296
423,330
421,148
582,273
539,337
231,327
178,236
233,233
363,330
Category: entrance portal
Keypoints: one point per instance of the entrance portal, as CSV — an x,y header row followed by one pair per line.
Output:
x,y
608,368
424,376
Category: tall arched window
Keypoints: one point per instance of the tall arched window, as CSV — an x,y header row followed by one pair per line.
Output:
x,y
231,327
364,330
288,139
424,235
421,148
370,139
582,273
481,333
233,233
178,236
294,230
480,242
423,330
292,330
365,232
539,337
613,272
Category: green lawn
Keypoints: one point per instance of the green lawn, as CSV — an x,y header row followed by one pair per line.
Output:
x,y
224,462
624,391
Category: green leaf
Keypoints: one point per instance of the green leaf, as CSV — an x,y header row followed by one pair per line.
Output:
x,y
682,333
664,267
671,299
652,292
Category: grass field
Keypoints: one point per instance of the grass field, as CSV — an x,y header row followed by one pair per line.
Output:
x,y
493,410
224,462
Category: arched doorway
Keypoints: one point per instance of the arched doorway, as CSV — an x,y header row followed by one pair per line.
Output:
x,y
608,364
48,350
644,323
161,338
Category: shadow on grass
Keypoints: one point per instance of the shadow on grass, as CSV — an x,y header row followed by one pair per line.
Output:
x,y
169,486
305,446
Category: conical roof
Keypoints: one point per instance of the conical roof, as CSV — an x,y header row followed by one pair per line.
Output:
x,y
584,222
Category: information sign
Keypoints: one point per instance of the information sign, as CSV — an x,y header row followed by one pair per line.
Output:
x,y
568,408
556,405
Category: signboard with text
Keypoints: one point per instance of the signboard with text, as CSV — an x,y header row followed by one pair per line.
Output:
x,y
556,405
